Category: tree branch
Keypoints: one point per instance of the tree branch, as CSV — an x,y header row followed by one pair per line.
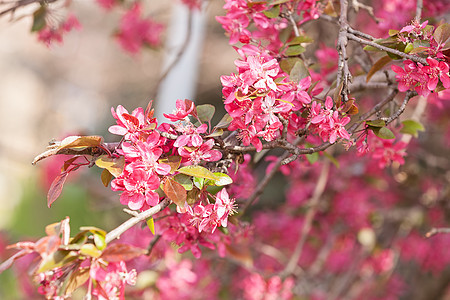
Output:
x,y
343,76
115,233
312,208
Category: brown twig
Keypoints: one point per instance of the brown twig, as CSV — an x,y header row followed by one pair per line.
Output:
x,y
435,231
343,75
387,49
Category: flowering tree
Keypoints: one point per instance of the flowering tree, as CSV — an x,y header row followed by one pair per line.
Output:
x,y
336,124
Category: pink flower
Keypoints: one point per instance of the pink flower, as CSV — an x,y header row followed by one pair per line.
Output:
x,y
131,126
138,189
202,153
135,32
259,72
436,70
184,108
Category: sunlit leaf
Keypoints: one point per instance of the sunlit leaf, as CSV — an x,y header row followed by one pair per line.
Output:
x,y
151,225
197,171
300,39
57,259
113,165
222,179
199,182
216,132
81,142
99,241
90,250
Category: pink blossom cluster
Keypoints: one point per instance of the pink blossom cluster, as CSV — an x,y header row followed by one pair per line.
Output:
x,y
143,147
111,279
242,14
383,151
54,33
423,79
135,31
328,122
257,288
210,216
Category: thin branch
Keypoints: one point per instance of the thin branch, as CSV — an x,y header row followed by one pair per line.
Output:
x,y
115,233
419,7
343,76
312,208
357,5
401,109
153,243
387,49
435,231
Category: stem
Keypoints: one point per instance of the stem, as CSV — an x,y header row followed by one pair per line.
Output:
x,y
115,233
387,49
313,204
344,75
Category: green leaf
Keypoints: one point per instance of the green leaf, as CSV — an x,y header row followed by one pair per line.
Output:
x,y
93,230
409,47
39,19
378,65
151,225
175,192
225,121
57,259
272,13
376,123
393,32
275,2
113,165
298,72
222,179
185,181
332,159
294,50
192,196
205,112
313,157
300,39
412,127
286,64
442,33
99,241
197,171
371,48
199,182
216,132
384,133
90,250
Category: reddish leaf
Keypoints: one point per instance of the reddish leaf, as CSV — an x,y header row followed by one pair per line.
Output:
x,y
69,162
175,192
442,33
377,66
8,263
121,252
56,188
77,279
